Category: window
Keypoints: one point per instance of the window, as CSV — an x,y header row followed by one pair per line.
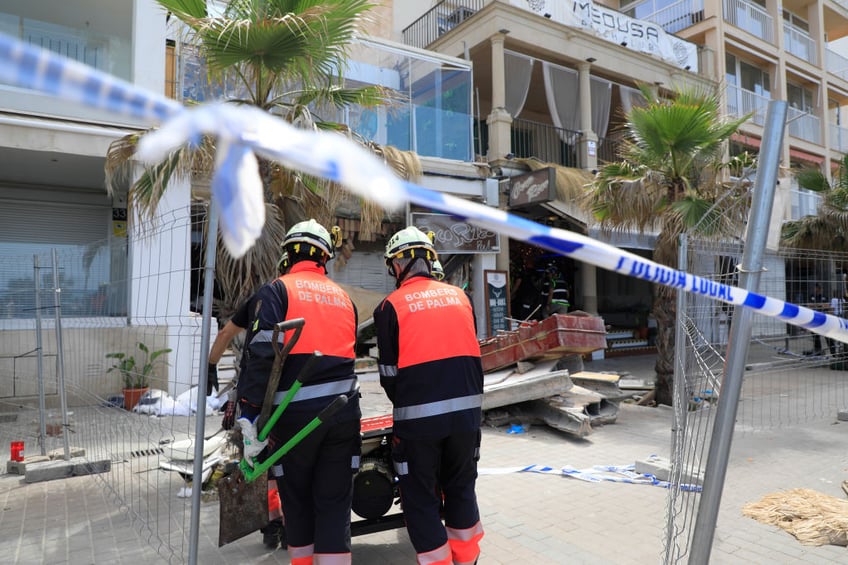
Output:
x,y
747,76
795,21
170,69
91,250
799,97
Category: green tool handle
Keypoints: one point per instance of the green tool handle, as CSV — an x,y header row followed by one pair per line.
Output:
x,y
305,374
251,474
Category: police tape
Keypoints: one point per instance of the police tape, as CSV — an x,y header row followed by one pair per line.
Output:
x,y
625,474
245,131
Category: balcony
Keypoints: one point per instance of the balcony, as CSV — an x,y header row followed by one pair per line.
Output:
x,y
836,64
430,109
741,102
749,17
545,142
804,125
439,20
838,138
804,202
107,53
678,16
799,43
610,147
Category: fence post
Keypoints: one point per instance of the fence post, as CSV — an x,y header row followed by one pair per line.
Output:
x,y
60,358
740,333
200,421
39,355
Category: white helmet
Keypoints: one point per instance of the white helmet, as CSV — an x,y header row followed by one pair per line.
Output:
x,y
312,233
405,243
438,271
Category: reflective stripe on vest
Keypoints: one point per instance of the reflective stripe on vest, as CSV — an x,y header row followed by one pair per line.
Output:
x,y
401,467
387,370
438,408
265,336
310,392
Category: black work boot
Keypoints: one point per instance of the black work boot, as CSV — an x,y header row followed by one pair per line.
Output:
x,y
272,534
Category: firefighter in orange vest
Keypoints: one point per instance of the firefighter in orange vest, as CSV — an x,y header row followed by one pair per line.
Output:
x,y
274,532
431,371
315,478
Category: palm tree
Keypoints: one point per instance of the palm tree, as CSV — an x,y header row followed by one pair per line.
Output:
x,y
285,57
828,229
670,180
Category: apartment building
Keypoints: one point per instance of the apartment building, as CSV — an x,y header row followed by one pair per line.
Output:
x,y
553,79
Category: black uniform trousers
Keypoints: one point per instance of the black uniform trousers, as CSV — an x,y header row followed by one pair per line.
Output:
x,y
429,470
316,487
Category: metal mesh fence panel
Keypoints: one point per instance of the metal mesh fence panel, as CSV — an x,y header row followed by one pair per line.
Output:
x,y
792,376
102,317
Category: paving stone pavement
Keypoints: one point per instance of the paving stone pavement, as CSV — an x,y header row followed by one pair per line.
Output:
x,y
528,517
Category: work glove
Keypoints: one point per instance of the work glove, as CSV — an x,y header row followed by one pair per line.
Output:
x,y
211,379
229,419
250,436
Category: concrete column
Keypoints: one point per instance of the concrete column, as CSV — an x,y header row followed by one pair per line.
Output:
x,y
148,45
499,120
587,152
589,282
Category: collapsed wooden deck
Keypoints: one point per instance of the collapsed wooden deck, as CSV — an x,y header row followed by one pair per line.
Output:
x,y
525,380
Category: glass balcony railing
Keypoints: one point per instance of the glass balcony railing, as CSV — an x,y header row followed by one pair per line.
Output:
x,y
741,102
838,138
804,202
430,112
678,16
433,116
108,53
750,17
804,125
799,43
836,64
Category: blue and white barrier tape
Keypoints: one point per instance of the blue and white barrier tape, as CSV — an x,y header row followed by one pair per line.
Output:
x,y
596,474
331,156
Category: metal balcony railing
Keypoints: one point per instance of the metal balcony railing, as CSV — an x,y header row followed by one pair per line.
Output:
x,y
610,148
750,17
678,16
836,64
741,102
439,20
545,142
799,43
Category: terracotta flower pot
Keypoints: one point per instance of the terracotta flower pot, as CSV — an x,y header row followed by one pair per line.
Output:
x,y
132,395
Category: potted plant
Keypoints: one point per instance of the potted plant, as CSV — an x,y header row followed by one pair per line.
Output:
x,y
135,372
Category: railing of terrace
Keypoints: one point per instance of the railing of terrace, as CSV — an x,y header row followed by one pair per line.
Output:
x,y
545,142
750,17
799,43
439,20
678,16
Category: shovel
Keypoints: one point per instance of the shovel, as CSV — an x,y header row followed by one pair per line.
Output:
x,y
243,505
243,494
244,499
